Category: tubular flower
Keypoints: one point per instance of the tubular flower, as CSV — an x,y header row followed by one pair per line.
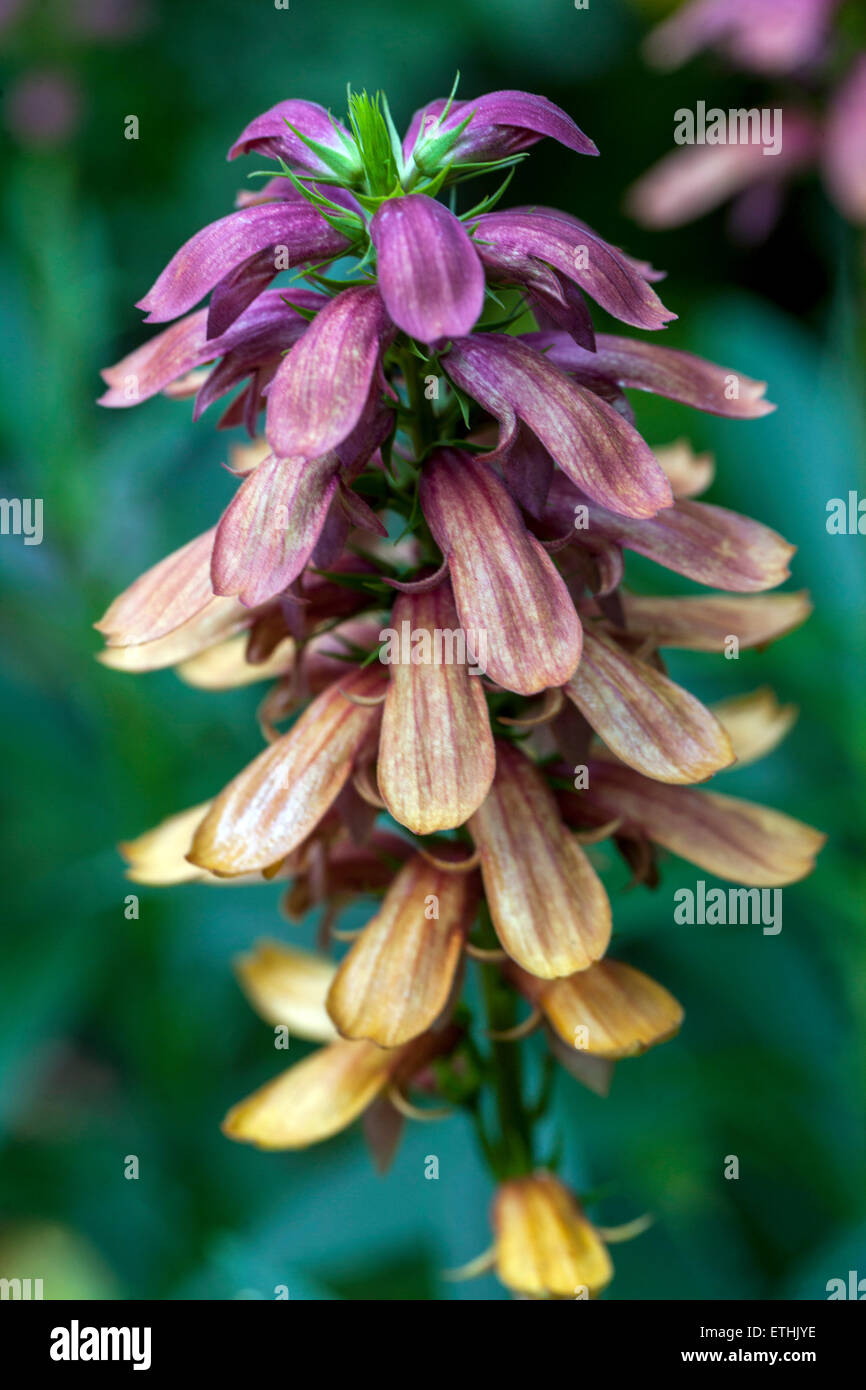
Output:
x,y
545,1246
799,40
425,558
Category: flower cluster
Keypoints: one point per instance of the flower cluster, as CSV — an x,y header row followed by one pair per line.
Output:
x,y
447,450
824,114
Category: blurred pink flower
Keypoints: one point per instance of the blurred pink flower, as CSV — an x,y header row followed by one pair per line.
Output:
x,y
43,107
770,36
844,157
693,180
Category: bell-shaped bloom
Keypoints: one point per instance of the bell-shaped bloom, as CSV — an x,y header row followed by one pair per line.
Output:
x,y
767,36
511,244
545,1245
680,376
278,800
500,124
429,274
548,905
709,544
755,723
644,718
507,589
610,1011
292,227
598,450
288,987
324,1093
323,386
706,624
737,840
277,133
844,154
399,975
436,756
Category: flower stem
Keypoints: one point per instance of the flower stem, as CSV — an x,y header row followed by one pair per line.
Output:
x,y
513,1152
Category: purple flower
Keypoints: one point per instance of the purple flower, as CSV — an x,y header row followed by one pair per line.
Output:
x,y
512,659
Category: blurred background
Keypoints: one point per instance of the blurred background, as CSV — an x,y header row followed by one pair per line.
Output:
x,y
128,1036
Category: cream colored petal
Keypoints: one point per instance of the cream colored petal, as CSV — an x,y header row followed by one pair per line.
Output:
x,y
689,474
218,620
610,1010
644,718
159,855
548,905
245,458
164,597
314,1099
274,804
436,758
706,624
755,723
225,666
738,840
545,1246
397,978
289,986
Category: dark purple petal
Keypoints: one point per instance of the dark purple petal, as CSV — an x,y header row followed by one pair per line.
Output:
x,y
528,471
575,251
237,290
257,339
565,309
430,276
269,530
681,376
589,440
322,388
219,248
270,135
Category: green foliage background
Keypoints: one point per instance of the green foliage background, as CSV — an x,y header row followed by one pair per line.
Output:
x,y
126,1037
